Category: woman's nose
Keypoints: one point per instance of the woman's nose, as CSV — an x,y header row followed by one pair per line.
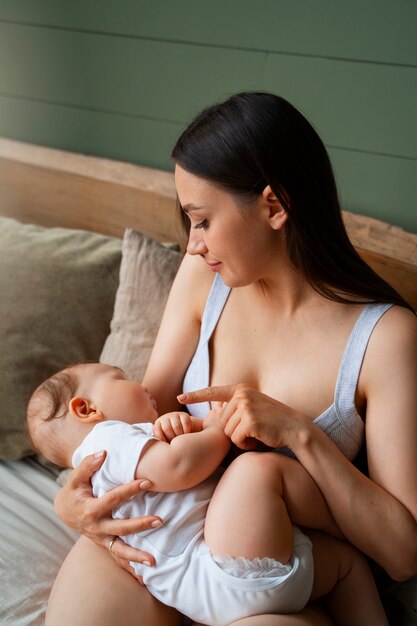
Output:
x,y
196,243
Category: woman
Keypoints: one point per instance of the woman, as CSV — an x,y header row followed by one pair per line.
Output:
x,y
282,304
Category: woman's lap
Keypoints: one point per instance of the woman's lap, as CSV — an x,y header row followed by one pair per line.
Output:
x,y
91,589
313,615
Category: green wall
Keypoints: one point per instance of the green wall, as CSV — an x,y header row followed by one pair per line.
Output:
x,y
121,78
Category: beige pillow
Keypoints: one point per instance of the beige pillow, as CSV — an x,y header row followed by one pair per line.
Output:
x,y
146,274
57,290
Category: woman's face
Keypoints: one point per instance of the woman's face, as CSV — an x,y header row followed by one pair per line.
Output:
x,y
237,242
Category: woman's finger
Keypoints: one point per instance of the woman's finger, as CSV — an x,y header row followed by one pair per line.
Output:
x,y
88,466
237,428
222,393
229,417
113,498
122,527
121,550
128,567
242,440
217,406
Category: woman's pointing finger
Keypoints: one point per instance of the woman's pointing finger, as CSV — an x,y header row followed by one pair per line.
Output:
x,y
222,393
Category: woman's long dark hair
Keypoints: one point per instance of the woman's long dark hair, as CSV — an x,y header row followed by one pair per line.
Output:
x,y
256,139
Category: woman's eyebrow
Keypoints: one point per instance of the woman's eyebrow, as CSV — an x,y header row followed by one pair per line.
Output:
x,y
191,207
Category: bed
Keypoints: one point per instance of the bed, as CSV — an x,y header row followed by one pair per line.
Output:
x,y
88,250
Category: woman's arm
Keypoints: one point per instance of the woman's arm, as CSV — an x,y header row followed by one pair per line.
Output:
x,y
377,514
179,333
370,517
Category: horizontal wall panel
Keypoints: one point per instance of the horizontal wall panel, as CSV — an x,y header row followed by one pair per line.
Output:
x,y
378,186
135,140
373,30
134,77
382,187
353,105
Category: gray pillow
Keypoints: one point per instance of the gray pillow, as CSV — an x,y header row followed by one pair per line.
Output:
x,y
57,291
146,274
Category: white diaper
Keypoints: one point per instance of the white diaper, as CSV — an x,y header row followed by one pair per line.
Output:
x,y
251,569
220,590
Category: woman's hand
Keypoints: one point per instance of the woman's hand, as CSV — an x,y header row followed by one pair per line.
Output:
x,y
214,416
250,415
77,507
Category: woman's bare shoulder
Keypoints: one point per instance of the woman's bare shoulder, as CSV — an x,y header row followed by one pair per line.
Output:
x,y
193,283
397,324
392,349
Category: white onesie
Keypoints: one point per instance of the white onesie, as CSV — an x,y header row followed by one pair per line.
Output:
x,y
186,575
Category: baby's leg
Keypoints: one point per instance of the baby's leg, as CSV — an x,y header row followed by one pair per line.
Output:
x,y
257,499
247,516
342,574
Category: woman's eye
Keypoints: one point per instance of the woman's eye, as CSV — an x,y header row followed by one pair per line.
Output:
x,y
203,224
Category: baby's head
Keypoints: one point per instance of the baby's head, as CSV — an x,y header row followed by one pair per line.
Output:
x,y
65,407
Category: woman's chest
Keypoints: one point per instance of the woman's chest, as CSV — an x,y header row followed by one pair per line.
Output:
x,y
294,361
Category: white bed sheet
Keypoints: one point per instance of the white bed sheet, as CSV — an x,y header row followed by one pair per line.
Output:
x,y
33,542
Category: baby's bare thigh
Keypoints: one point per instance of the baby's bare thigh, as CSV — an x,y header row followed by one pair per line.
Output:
x,y
92,590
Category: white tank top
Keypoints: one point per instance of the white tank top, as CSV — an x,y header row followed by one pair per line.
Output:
x,y
340,421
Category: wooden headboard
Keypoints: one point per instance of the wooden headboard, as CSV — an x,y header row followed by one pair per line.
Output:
x,y
57,188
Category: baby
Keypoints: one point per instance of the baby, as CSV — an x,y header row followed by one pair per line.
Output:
x,y
228,548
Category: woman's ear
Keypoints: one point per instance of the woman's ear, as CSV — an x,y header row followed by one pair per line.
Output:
x,y
82,410
277,215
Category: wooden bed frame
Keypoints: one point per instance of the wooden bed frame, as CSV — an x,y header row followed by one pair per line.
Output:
x,y
57,188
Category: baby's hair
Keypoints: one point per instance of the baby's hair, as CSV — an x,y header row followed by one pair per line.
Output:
x,y
50,400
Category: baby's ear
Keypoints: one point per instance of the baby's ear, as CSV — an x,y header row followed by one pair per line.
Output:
x,y
83,410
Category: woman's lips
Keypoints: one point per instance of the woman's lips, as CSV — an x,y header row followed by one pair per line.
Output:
x,y
214,266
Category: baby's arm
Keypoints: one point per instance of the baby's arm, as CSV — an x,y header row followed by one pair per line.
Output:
x,y
184,462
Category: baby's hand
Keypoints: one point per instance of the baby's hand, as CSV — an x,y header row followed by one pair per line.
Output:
x,y
213,416
170,425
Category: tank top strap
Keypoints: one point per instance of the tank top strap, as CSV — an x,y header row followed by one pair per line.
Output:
x,y
216,300
353,356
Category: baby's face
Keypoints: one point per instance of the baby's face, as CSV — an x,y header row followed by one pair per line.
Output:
x,y
114,395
